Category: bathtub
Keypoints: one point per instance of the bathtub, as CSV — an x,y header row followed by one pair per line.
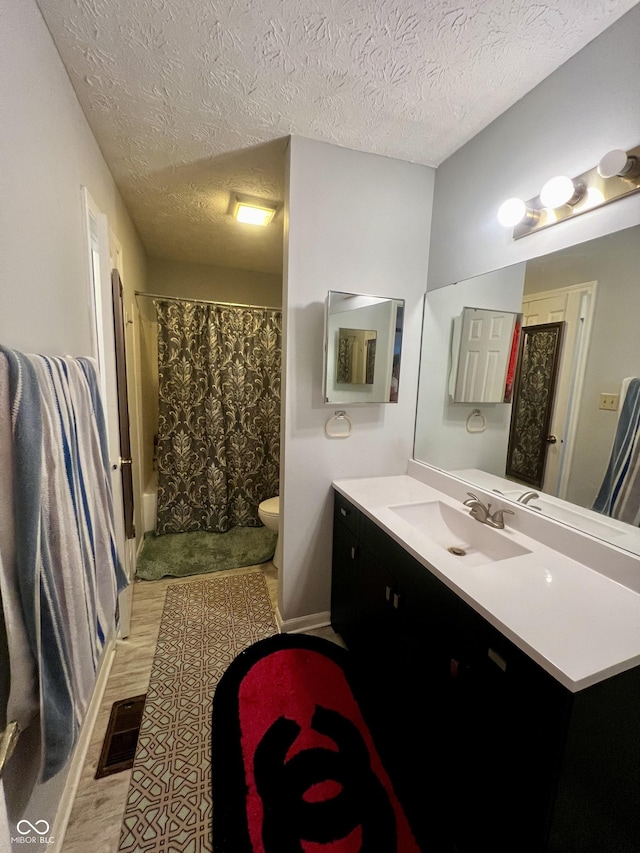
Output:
x,y
150,505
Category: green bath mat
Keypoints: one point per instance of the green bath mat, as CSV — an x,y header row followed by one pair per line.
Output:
x,y
182,554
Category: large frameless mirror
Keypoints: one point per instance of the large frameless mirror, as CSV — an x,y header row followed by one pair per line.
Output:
x,y
579,354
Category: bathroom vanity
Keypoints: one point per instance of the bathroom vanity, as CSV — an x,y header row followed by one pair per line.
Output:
x,y
503,682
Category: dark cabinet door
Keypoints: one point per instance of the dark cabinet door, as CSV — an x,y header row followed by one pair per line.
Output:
x,y
506,724
406,653
346,548
400,701
378,609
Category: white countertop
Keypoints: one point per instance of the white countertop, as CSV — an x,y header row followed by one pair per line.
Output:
x,y
578,624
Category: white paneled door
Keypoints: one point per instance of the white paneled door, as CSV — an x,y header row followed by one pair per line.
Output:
x,y
485,345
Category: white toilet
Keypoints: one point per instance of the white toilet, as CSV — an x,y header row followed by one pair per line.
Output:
x,y
269,514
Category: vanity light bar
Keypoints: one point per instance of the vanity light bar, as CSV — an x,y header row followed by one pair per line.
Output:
x,y
616,175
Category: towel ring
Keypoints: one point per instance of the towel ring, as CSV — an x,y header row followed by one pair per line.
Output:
x,y
476,422
339,426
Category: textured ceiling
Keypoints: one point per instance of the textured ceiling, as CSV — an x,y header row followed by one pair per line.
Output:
x,y
193,99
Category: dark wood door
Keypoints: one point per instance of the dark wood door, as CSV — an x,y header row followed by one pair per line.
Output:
x,y
123,405
534,392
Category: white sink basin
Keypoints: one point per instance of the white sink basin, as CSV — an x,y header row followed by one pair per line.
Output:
x,y
456,531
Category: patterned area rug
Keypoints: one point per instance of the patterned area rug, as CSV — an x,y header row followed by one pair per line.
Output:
x,y
205,624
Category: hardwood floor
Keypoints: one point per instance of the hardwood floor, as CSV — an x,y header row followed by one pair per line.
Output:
x,y
96,815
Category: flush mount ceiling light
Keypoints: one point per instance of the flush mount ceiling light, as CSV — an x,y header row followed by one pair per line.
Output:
x,y
252,211
616,175
254,215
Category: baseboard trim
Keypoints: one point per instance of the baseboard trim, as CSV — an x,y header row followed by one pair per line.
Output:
x,y
80,752
304,623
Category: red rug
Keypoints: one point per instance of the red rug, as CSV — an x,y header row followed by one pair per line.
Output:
x,y
294,765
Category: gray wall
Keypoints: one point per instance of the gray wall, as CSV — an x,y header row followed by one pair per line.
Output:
x,y
588,106
356,223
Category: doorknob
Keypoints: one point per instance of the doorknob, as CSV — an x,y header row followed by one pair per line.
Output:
x,y
551,439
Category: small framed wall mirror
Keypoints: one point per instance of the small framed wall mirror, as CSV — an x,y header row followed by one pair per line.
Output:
x,y
363,346
484,348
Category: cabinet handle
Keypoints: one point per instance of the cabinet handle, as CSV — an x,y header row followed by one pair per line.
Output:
x,y
394,598
343,512
354,552
497,659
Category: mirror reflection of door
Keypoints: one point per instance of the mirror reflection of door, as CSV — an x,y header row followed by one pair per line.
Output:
x,y
534,390
574,307
356,356
483,355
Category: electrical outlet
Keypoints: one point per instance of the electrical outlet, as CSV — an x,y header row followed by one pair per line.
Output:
x,y
609,402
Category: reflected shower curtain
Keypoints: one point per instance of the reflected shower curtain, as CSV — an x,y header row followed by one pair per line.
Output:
x,y
219,414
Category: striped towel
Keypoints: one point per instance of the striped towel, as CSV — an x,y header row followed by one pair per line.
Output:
x,y
619,495
22,701
69,574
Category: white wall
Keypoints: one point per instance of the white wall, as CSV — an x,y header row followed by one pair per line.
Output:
x,y
47,153
441,425
585,108
355,222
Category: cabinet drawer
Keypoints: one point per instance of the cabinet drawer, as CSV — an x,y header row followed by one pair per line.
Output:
x,y
346,513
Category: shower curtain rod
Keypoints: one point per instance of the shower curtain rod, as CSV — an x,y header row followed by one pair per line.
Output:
x,y
205,301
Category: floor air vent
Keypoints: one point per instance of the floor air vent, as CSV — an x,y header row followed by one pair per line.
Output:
x,y
119,747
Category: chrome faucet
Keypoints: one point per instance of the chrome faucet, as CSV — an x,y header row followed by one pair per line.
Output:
x,y
482,512
525,497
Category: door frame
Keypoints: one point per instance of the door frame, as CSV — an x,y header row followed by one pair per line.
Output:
x,y
126,462
571,374
99,260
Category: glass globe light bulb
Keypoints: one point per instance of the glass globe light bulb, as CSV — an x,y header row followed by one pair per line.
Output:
x,y
511,212
557,191
615,162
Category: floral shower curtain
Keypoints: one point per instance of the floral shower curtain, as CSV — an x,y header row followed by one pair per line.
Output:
x,y
219,414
